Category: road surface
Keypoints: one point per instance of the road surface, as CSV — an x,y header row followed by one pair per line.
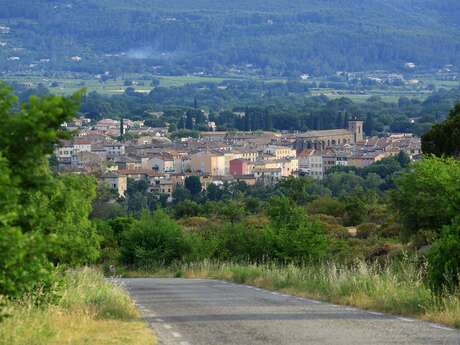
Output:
x,y
211,312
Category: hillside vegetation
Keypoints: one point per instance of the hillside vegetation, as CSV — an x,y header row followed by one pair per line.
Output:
x,y
272,37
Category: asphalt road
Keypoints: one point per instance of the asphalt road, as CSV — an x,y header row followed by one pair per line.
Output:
x,y
210,312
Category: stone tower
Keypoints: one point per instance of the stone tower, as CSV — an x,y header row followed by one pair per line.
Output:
x,y
356,128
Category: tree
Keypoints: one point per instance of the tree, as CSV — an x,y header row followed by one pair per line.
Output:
x,y
72,237
301,190
328,206
189,121
138,197
403,159
444,138
297,237
122,129
43,218
214,192
193,184
428,197
153,239
186,208
444,259
23,260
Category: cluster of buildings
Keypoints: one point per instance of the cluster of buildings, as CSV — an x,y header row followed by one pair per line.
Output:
x,y
115,151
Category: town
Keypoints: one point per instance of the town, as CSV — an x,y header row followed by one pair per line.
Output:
x,y
115,151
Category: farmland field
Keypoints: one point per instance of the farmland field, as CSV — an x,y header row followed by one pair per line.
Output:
x,y
66,84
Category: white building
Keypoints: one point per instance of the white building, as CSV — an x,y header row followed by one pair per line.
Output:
x,y
114,149
162,164
311,163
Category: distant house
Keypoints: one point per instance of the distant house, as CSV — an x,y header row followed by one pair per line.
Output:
x,y
311,163
239,167
107,124
114,149
117,182
162,163
208,163
267,176
279,152
81,145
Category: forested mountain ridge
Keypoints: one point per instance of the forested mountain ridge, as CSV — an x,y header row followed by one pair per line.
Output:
x,y
270,37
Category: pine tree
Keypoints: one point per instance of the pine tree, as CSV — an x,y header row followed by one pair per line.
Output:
x,y
122,129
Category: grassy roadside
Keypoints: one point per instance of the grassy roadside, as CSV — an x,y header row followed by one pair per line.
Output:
x,y
87,310
396,288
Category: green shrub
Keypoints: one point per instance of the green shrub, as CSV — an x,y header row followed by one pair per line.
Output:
x,y
444,259
23,262
428,197
242,242
154,239
187,208
298,238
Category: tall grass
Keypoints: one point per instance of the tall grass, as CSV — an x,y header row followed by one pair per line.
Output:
x,y
87,310
394,287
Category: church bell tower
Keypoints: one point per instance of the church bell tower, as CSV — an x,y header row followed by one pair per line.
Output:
x,y
356,128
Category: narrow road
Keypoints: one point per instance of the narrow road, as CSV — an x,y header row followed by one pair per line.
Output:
x,y
211,312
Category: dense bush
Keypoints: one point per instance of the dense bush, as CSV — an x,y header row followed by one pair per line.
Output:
x,y
428,197
242,242
298,237
444,259
154,239
23,262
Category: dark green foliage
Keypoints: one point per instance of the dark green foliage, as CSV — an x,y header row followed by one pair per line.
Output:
x,y
444,138
355,209
181,194
214,192
193,184
444,259
230,210
377,176
245,242
138,197
153,239
186,208
281,110
302,189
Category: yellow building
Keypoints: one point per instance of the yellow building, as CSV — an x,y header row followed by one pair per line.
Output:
x,y
207,163
280,152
